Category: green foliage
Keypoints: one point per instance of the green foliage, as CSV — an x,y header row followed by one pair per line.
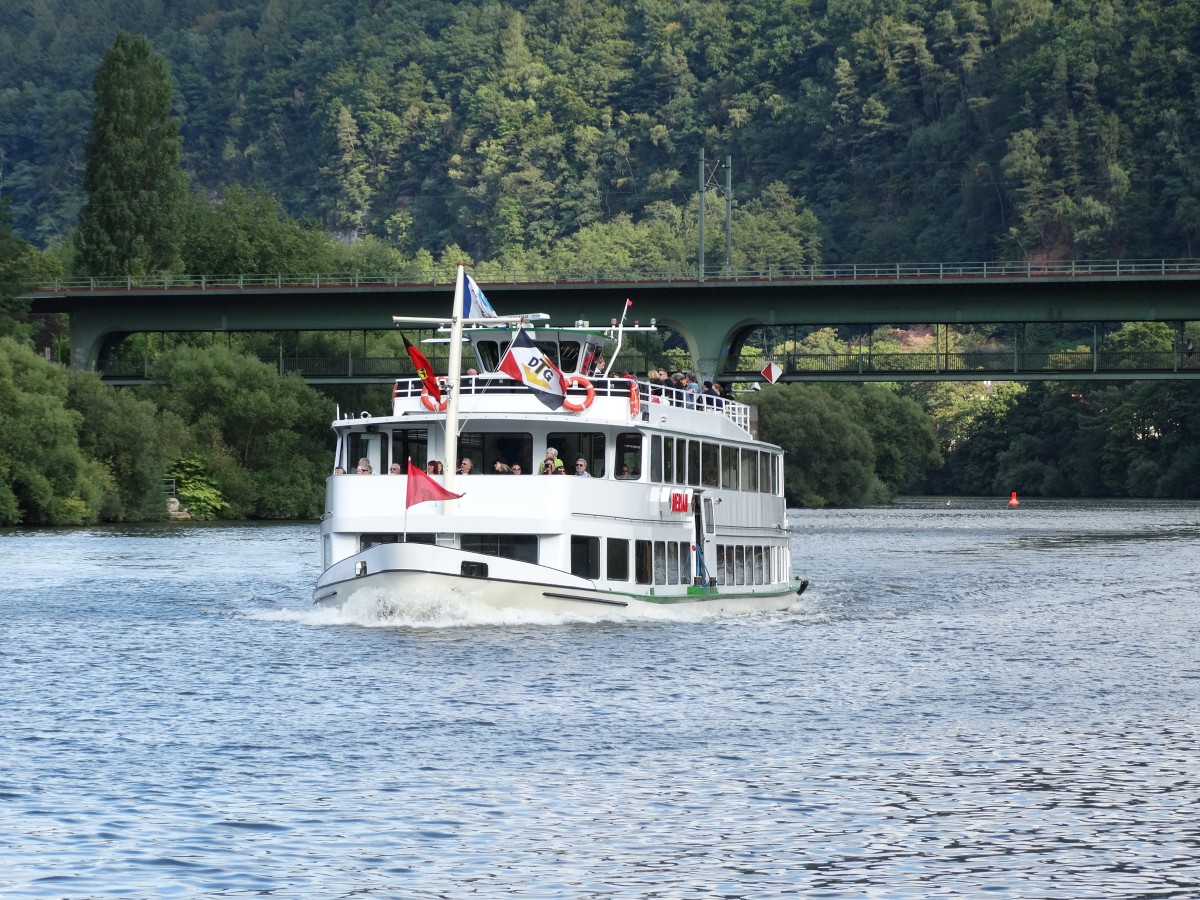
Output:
x,y
261,437
195,489
922,130
828,454
132,442
248,231
130,224
43,474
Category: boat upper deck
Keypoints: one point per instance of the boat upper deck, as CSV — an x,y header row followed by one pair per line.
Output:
x,y
602,398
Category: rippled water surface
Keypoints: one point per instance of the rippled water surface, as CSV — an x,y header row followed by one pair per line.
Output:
x,y
969,701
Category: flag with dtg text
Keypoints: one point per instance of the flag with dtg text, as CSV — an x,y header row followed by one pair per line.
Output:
x,y
526,363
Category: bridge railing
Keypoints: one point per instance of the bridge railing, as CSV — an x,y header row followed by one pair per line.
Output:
x,y
1107,268
808,365
983,362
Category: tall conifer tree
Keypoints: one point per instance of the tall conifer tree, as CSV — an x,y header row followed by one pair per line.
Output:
x,y
130,224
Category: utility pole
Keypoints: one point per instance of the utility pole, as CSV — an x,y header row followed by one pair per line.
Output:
x,y
708,179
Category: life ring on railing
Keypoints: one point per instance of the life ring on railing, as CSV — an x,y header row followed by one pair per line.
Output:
x,y
579,381
427,398
635,401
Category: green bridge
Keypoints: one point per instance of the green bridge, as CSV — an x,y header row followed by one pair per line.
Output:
x,y
719,317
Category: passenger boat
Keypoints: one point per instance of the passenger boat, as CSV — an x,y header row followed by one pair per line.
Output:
x,y
664,497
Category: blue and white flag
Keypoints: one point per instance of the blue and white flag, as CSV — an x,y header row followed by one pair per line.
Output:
x,y
479,308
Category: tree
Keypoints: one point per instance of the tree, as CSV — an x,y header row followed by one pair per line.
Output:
x,y
260,437
828,455
130,224
44,478
132,439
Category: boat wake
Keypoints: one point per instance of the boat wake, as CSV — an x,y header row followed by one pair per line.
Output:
x,y
447,609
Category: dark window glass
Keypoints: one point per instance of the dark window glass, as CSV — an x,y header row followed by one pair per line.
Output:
x,y
643,561
618,559
629,455
522,547
585,556
410,443
729,468
710,465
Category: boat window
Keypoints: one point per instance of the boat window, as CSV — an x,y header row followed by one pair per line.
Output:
x,y
572,445
410,443
521,547
489,353
681,446
629,455
643,562
585,556
729,468
685,563
618,559
568,356
694,463
660,562
749,473
668,460
758,565
656,457
710,525
739,564
764,472
710,466
366,541
672,563
483,448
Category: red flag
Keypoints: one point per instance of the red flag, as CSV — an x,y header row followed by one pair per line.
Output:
x,y
421,488
424,370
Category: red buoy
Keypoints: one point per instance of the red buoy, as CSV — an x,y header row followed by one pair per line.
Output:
x,y
1012,501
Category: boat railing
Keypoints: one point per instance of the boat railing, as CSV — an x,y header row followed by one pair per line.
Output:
x,y
649,395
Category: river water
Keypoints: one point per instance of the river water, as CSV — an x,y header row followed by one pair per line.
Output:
x,y
969,701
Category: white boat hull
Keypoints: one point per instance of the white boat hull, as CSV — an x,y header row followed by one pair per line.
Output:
x,y
390,573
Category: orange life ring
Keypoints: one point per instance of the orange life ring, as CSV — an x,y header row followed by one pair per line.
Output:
x,y
427,398
579,381
635,400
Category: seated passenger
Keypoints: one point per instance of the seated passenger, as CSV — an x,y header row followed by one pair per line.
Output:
x,y
434,467
394,469
500,467
516,469
364,466
624,473
581,468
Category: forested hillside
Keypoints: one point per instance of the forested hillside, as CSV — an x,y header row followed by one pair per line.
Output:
x,y
932,129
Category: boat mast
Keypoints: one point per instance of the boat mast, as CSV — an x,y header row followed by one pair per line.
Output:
x,y
453,377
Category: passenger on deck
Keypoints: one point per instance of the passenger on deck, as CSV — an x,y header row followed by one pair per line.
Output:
x,y
434,467
500,467
464,467
338,470
516,469
364,466
548,467
394,469
581,468
552,455
624,473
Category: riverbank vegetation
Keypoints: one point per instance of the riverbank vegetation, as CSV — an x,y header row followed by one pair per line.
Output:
x,y
540,137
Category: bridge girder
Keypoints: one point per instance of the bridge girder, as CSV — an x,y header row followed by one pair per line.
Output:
x,y
709,315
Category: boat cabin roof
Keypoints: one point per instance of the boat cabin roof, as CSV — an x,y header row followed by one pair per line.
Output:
x,y
576,351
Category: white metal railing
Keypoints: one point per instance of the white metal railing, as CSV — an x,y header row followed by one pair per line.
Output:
x,y
1114,268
